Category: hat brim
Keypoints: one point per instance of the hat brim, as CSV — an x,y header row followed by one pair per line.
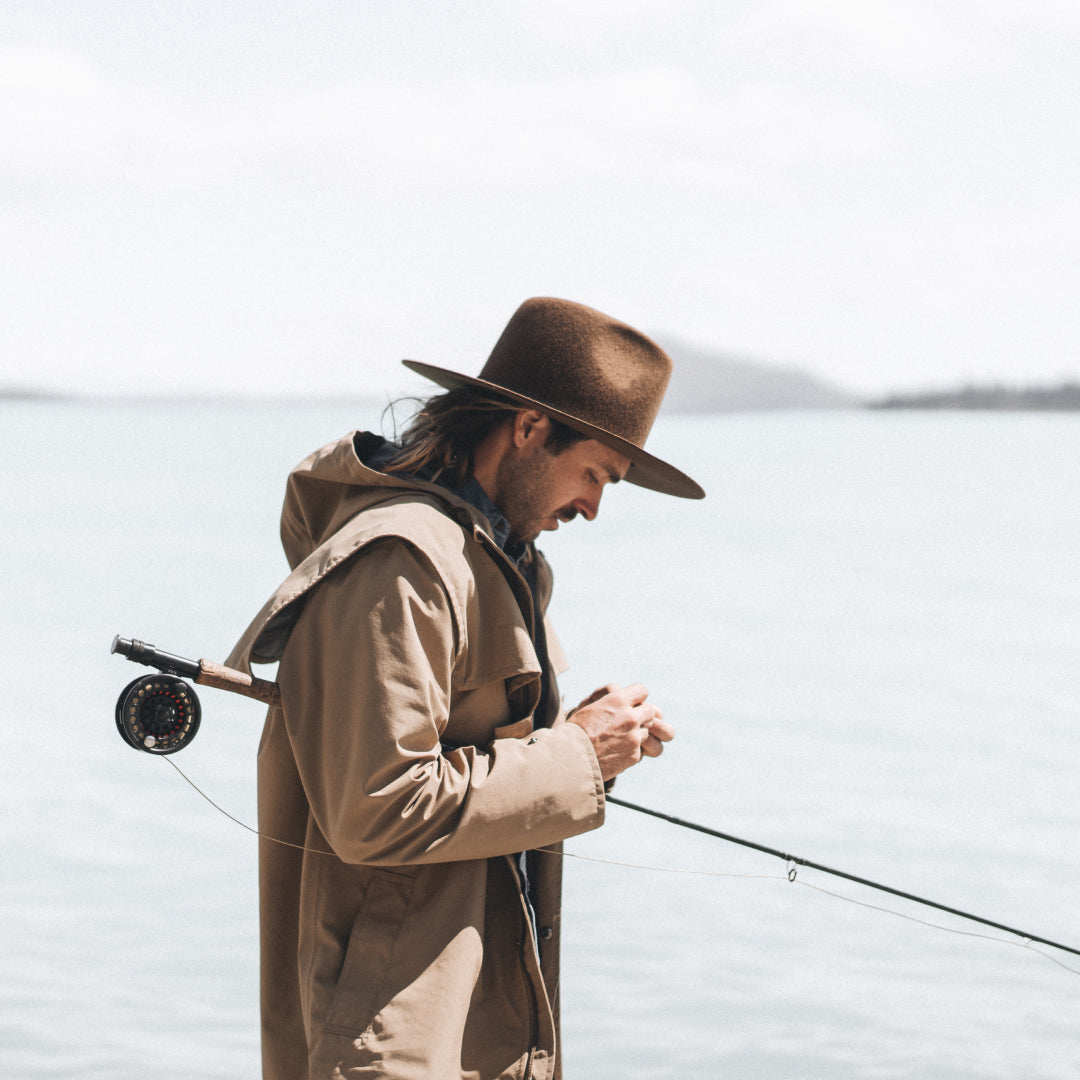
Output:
x,y
646,470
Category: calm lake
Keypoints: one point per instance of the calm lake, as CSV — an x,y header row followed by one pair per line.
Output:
x,y
867,637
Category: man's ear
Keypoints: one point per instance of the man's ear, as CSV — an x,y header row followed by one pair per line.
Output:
x,y
529,425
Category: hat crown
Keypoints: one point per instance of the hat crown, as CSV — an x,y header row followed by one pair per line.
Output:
x,y
579,361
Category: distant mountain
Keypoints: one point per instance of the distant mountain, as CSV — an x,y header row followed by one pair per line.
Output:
x,y
705,381
1062,398
29,393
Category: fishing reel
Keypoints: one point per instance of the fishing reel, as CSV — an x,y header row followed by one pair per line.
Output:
x,y
160,714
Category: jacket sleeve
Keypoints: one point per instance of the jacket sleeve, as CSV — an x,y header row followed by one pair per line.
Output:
x,y
366,681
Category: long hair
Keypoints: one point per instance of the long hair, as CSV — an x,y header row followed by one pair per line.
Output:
x,y
442,437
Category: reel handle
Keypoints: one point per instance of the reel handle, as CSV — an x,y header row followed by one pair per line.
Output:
x,y
205,672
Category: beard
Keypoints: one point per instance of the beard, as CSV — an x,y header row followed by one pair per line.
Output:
x,y
524,494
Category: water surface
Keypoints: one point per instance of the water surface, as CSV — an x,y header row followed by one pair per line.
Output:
x,y
867,637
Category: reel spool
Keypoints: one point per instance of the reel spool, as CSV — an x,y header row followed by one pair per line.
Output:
x,y
158,714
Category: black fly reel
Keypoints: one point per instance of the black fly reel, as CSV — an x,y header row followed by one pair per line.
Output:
x,y
158,714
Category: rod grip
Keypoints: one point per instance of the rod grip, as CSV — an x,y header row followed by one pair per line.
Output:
x,y
225,678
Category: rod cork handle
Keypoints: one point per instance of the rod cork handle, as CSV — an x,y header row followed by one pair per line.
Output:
x,y
225,678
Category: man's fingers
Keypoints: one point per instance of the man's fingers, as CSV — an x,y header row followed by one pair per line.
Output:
x,y
635,694
596,695
660,729
652,747
623,727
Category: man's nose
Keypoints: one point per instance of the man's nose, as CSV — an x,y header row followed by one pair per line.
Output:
x,y
587,507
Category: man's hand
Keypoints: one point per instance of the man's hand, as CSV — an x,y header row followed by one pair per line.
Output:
x,y
622,727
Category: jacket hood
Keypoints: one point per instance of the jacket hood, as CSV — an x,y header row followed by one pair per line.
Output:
x,y
343,478
322,527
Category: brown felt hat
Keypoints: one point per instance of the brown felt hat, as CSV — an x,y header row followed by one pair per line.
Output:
x,y
587,370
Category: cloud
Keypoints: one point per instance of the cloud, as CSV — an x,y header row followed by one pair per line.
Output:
x,y
583,24
916,42
66,124
818,187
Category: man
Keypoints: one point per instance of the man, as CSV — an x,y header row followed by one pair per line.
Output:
x,y
417,779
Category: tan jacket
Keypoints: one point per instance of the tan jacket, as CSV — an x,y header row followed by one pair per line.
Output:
x,y
404,765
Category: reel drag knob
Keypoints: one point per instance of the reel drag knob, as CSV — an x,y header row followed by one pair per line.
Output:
x,y
158,714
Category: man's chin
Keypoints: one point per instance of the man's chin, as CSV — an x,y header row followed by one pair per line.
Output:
x,y
530,532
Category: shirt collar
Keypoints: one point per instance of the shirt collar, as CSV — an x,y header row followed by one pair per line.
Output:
x,y
472,493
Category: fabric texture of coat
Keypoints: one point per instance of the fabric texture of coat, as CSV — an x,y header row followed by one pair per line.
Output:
x,y
406,766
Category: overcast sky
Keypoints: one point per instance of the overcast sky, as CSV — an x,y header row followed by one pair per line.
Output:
x,y
252,195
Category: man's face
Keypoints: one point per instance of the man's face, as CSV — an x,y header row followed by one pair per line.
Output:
x,y
536,488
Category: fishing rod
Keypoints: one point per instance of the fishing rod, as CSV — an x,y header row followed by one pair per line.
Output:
x,y
810,864
160,714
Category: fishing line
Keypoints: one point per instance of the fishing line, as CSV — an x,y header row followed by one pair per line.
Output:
x,y
1025,945
243,825
793,862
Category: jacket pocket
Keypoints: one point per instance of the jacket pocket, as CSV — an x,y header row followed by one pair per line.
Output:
x,y
364,981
